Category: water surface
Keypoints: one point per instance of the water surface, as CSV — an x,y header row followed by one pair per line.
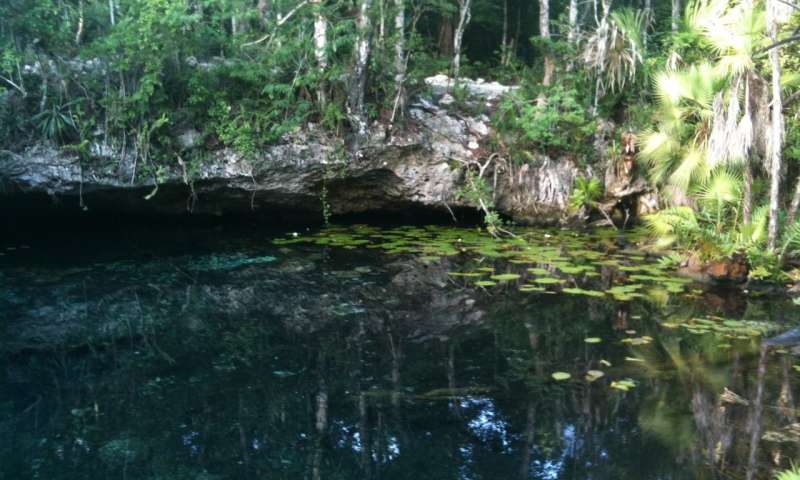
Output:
x,y
358,352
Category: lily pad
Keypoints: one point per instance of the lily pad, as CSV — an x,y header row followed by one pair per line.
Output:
x,y
548,280
505,277
623,385
593,340
593,375
559,376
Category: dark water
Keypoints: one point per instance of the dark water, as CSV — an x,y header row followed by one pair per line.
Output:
x,y
211,354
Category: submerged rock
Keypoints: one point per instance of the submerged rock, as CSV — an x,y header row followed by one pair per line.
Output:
x,y
734,269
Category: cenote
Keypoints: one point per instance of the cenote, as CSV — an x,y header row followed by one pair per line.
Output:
x,y
357,352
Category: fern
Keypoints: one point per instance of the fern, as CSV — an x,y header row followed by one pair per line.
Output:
x,y
792,473
790,239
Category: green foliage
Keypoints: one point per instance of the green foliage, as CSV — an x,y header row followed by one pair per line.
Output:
x,y
586,192
478,193
616,49
559,123
792,473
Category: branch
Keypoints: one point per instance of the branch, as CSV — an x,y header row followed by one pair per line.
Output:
x,y
777,44
785,2
281,21
19,88
790,100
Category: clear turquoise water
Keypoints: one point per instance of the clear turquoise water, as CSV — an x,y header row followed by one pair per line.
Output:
x,y
216,353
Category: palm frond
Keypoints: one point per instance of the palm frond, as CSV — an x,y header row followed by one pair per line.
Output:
x,y
722,187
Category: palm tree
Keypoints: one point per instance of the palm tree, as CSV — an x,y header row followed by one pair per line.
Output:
x,y
735,33
676,151
616,49
701,122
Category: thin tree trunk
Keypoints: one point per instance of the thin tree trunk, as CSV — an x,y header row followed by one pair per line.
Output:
x,y
464,16
755,423
79,33
648,15
544,33
504,45
795,204
747,192
528,438
356,111
381,24
263,8
572,34
676,14
111,13
776,132
445,40
320,50
399,56
321,425
515,41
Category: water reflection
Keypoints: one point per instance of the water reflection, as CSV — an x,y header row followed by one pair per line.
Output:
x,y
325,363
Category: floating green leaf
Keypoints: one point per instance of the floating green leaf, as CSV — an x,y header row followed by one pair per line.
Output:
x,y
623,385
561,376
593,375
505,277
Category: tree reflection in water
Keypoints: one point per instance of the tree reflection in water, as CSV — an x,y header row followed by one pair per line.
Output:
x,y
301,368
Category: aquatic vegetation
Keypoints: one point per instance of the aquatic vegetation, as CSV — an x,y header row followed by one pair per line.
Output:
x,y
543,260
506,277
593,375
623,385
560,376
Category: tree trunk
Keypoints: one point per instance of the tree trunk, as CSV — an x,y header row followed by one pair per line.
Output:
x,y
320,49
544,33
572,34
111,13
464,16
263,7
79,33
648,15
381,24
445,40
399,57
792,216
775,133
504,45
747,192
358,83
676,14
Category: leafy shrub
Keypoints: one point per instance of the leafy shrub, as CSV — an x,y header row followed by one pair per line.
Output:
x,y
556,124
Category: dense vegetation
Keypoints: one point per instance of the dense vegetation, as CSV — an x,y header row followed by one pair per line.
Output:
x,y
708,87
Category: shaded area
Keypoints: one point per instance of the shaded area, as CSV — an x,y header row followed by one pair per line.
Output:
x,y
233,357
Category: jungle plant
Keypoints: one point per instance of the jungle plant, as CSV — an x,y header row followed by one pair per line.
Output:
x,y
792,473
616,49
561,124
586,192
700,123
57,120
